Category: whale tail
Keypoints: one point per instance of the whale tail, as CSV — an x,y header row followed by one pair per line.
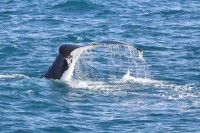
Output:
x,y
63,66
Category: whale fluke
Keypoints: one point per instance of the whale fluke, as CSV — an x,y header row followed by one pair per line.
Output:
x,y
63,66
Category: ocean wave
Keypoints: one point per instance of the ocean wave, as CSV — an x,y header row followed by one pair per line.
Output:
x,y
167,12
75,5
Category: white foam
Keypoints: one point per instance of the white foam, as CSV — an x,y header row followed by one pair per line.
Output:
x,y
29,91
102,86
128,77
79,38
13,76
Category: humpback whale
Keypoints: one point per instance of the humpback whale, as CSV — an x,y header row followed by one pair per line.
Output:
x,y
63,66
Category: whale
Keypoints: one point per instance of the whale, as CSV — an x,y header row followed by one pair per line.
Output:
x,y
63,65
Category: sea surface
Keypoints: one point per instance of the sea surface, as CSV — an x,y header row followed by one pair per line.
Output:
x,y
166,98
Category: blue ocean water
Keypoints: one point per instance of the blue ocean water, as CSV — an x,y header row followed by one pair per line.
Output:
x,y
31,32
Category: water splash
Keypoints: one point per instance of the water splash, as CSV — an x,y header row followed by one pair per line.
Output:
x,y
127,77
72,61
118,69
104,61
